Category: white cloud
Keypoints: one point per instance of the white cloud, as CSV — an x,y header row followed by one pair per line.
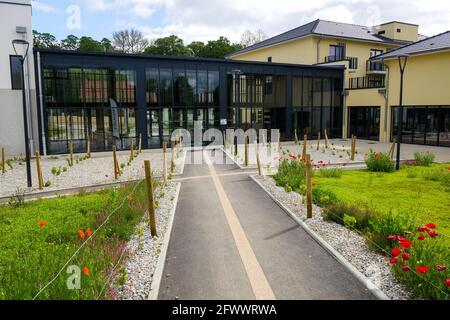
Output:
x,y
44,7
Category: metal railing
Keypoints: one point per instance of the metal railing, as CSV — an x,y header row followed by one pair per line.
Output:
x,y
368,82
373,66
353,61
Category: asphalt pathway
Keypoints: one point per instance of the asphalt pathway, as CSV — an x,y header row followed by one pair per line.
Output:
x,y
231,241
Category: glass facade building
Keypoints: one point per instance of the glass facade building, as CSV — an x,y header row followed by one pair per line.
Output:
x,y
112,98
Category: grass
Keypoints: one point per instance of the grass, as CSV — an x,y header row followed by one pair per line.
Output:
x,y
408,191
31,255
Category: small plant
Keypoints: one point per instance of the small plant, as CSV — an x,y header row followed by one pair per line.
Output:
x,y
292,173
122,165
337,211
331,173
411,174
122,278
349,223
424,159
64,169
287,188
323,198
54,170
18,198
47,184
379,162
9,162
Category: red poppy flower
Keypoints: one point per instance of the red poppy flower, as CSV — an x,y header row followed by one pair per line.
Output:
x,y
396,251
393,260
430,225
406,268
85,271
392,238
433,234
447,282
422,269
314,184
42,223
81,234
440,268
130,197
377,157
405,256
400,238
421,229
448,168
292,157
88,232
406,243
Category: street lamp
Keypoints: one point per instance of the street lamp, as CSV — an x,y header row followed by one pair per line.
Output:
x,y
21,46
402,60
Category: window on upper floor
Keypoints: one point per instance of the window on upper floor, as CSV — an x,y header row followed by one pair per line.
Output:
x,y
16,73
337,52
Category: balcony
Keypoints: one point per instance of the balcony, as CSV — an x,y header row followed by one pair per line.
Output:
x,y
373,67
352,61
368,82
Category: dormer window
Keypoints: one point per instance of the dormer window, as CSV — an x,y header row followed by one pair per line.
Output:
x,y
382,32
399,30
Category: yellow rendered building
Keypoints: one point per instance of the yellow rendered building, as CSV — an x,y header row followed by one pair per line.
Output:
x,y
371,85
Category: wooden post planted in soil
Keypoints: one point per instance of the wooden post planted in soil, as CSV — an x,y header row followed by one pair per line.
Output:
x,y
295,135
172,156
140,143
151,198
116,164
258,162
305,140
3,161
71,153
318,142
88,148
39,171
308,187
391,151
353,148
246,151
131,149
326,139
164,164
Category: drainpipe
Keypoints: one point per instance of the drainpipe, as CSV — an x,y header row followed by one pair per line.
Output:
x,y
318,49
41,103
26,71
386,102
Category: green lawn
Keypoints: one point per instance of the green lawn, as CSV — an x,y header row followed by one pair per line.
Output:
x,y
406,191
32,254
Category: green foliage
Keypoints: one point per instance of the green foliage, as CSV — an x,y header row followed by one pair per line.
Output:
x,y
9,163
47,184
169,46
379,162
424,159
291,173
349,221
336,213
330,173
323,197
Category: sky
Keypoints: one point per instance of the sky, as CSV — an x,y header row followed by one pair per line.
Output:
x,y
202,20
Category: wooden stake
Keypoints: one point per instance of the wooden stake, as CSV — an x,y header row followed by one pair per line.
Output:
x,y
318,142
326,139
3,161
392,150
305,140
164,164
116,164
353,147
308,187
140,143
295,136
246,151
172,155
88,152
39,171
131,149
71,152
257,159
151,198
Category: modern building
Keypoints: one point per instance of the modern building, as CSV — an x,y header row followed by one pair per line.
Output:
x,y
109,98
15,23
372,85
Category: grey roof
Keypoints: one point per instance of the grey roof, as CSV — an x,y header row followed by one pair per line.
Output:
x,y
326,28
435,43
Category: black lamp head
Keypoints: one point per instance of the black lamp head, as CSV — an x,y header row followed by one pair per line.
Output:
x,y
20,42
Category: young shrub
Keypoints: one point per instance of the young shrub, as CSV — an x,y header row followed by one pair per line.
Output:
x,y
47,184
292,173
424,159
9,162
379,162
337,212
54,170
323,198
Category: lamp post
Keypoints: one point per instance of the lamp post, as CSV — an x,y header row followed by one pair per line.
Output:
x,y
402,60
21,43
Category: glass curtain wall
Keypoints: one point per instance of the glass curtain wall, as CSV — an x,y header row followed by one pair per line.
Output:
x,y
429,125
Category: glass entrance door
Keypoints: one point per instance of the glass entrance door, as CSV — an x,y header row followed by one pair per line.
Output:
x,y
364,122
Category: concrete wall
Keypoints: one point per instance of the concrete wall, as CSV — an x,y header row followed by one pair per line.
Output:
x,y
408,32
15,13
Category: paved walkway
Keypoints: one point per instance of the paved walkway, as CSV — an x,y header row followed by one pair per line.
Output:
x,y
231,241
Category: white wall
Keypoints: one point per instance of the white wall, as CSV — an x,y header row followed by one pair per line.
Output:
x,y
15,13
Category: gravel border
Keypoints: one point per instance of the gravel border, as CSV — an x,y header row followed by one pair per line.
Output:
x,y
350,245
145,253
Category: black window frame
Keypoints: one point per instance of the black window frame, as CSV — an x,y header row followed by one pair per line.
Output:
x,y
13,87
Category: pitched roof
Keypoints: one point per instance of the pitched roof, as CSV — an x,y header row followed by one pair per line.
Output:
x,y
325,28
436,43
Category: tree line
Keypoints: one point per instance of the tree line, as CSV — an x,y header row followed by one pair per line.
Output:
x,y
133,41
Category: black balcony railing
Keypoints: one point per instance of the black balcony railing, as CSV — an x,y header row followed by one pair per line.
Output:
x,y
373,66
353,61
368,82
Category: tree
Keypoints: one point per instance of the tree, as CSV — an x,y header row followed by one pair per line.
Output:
x,y
90,45
170,46
44,40
196,48
220,48
249,38
130,41
107,45
70,43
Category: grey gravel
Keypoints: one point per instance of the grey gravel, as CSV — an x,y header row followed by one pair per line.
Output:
x,y
352,246
143,250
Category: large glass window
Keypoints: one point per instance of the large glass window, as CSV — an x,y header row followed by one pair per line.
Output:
x,y
152,79
364,122
16,72
213,88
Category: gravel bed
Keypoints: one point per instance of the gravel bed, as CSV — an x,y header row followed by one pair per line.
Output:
x,y
93,171
349,244
143,250
335,154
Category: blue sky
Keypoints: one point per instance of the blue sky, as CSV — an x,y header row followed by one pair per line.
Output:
x,y
209,19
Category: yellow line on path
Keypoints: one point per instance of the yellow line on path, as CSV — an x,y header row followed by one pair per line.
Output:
x,y
258,281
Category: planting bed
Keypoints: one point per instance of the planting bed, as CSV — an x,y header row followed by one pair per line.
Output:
x,y
99,169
